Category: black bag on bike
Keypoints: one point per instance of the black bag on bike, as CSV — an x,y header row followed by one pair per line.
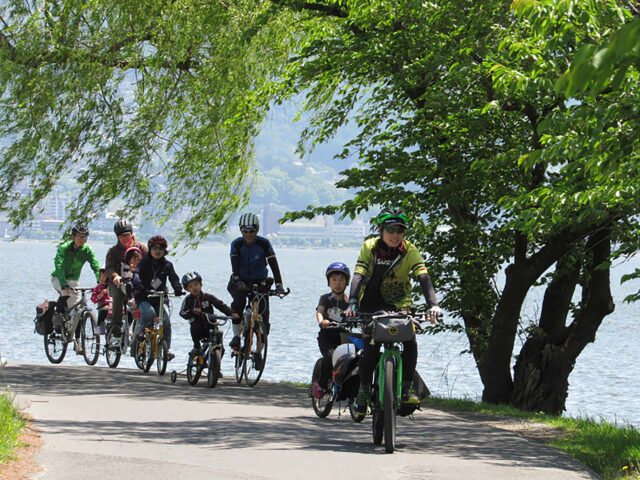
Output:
x,y
421,390
44,318
392,329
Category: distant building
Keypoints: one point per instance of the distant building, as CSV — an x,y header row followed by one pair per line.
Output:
x,y
271,214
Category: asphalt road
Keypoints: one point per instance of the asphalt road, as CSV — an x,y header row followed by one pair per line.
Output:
x,y
103,423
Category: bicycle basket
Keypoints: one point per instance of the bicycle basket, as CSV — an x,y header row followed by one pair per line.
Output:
x,y
44,318
392,329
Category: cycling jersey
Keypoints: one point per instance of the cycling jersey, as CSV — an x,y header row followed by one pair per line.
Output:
x,y
251,259
390,269
69,261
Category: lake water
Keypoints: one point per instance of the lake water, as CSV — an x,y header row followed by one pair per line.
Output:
x,y
603,384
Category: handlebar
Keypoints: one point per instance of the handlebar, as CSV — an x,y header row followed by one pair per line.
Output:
x,y
219,320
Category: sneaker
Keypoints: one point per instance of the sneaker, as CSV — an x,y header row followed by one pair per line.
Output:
x,y
362,400
316,390
77,346
409,396
257,361
235,343
170,356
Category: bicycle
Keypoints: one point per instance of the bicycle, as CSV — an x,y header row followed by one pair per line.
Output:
x,y
209,356
389,329
251,358
154,346
344,381
118,345
64,327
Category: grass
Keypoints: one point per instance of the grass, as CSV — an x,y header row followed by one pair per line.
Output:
x,y
11,424
612,451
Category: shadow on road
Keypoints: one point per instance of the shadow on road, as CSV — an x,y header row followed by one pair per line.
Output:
x,y
432,431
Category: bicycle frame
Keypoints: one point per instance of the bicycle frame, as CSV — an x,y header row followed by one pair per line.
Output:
x,y
80,306
156,330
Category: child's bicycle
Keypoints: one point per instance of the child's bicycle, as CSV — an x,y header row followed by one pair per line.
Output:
x,y
252,356
154,346
209,357
344,381
64,327
389,329
118,345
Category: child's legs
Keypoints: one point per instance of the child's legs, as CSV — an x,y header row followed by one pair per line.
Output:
x,y
198,332
102,315
327,345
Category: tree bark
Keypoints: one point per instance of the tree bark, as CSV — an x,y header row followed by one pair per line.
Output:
x,y
548,357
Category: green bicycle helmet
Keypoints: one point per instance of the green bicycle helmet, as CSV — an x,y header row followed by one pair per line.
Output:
x,y
391,216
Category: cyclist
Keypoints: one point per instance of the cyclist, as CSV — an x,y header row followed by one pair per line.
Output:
x,y
115,257
330,308
195,307
69,260
381,282
152,274
100,296
250,255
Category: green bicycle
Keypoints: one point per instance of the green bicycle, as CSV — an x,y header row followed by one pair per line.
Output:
x,y
389,329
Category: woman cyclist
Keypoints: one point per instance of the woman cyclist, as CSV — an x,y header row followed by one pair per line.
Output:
x,y
381,281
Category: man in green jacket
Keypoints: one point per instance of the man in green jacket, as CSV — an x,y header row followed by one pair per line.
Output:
x,y
70,258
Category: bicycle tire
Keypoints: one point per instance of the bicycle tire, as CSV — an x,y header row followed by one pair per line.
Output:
x,y
163,357
390,405
194,369
137,350
239,367
321,406
148,352
214,367
55,347
90,340
255,359
355,416
112,348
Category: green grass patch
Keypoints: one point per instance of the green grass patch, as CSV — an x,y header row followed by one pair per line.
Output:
x,y
11,424
612,451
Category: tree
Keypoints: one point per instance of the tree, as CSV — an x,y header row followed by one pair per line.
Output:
x,y
147,101
461,124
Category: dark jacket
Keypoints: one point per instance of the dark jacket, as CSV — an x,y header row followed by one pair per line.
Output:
x,y
150,269
204,302
115,256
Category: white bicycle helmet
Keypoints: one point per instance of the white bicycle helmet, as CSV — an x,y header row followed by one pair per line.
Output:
x,y
344,350
249,220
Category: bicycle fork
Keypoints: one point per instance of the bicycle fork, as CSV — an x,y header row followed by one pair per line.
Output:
x,y
394,354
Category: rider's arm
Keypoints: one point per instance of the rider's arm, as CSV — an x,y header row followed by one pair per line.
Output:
x,y
428,290
111,264
58,263
356,285
173,278
220,305
275,269
186,310
235,259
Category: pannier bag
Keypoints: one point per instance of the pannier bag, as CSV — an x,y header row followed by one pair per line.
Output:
x,y
392,329
44,318
421,390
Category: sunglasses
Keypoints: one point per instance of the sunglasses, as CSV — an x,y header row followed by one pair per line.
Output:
x,y
81,237
248,230
157,247
394,229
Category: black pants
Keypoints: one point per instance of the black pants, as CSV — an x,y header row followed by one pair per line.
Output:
x,y
240,301
199,331
102,316
327,344
370,356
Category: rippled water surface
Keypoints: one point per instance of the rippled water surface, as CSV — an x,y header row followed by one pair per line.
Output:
x,y
604,382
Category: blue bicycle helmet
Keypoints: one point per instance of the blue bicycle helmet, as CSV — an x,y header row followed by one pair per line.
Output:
x,y
189,277
338,267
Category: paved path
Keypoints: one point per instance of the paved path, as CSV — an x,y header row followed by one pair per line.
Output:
x,y
102,423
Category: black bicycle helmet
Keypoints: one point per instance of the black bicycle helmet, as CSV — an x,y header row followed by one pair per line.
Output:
x,y
79,230
158,240
338,267
122,226
392,216
189,277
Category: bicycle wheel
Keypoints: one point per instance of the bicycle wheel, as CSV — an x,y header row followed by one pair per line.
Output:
x,y
55,347
90,339
194,369
390,406
321,406
112,350
138,352
239,360
255,356
147,361
214,367
163,357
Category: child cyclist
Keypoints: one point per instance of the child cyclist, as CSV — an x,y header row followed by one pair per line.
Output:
x,y
195,307
152,274
330,308
100,296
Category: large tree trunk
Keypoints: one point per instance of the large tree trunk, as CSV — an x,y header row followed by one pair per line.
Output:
x,y
541,380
